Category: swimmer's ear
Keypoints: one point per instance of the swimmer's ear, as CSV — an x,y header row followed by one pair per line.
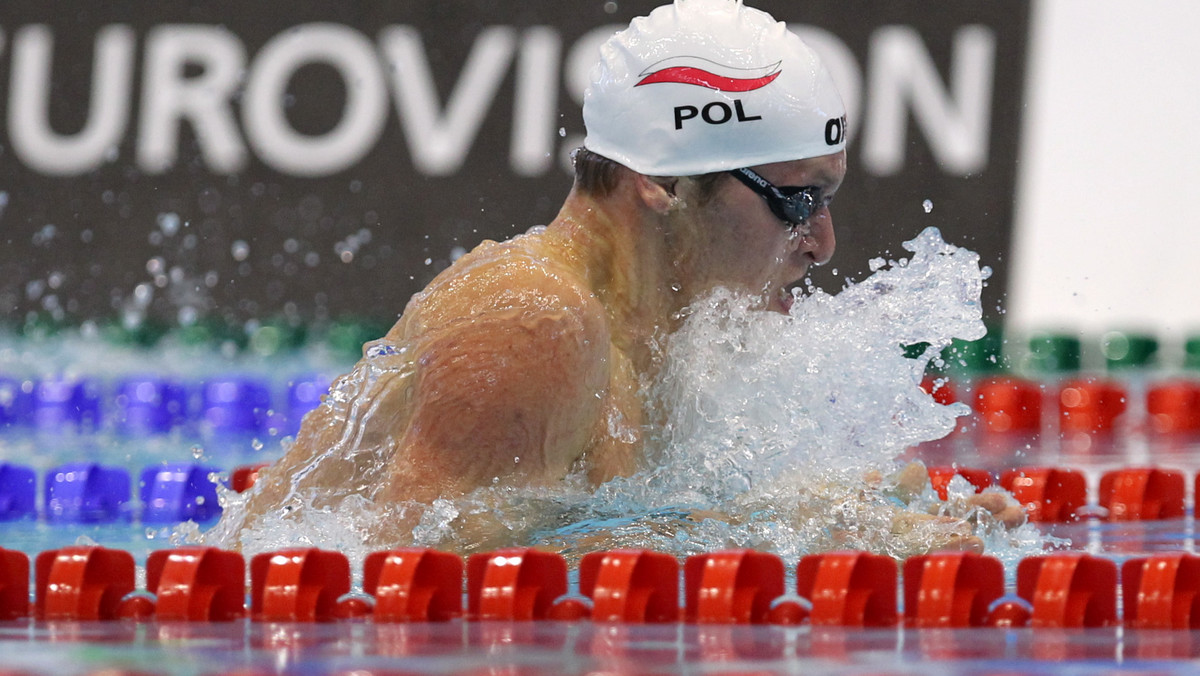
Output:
x,y
657,192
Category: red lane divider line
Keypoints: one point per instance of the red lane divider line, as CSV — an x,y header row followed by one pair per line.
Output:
x,y
850,589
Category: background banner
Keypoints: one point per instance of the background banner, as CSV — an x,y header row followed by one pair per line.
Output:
x,y
318,159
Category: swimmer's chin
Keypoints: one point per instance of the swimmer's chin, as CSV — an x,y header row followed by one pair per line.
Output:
x,y
782,300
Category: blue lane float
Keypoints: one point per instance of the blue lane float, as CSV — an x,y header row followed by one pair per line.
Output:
x,y
66,403
18,492
150,405
235,405
86,492
16,401
303,395
178,492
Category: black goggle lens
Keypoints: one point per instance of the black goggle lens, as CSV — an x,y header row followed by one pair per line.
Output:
x,y
792,204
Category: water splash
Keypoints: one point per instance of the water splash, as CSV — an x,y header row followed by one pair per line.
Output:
x,y
779,433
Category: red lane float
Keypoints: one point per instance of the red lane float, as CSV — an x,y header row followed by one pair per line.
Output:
x,y
514,584
1048,494
940,476
1090,406
632,586
850,589
1162,591
1142,493
731,587
940,388
951,589
298,585
1069,590
197,584
1010,614
82,583
244,477
1173,408
414,585
14,584
1007,405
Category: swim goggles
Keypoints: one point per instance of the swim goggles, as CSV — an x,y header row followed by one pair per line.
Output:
x,y
791,204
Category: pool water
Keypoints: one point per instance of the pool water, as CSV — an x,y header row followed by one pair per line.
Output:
x,y
63,400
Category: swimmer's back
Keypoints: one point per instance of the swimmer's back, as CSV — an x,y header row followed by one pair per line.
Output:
x,y
513,367
502,371
526,274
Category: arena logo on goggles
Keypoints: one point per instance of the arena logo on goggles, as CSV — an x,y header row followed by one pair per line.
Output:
x,y
694,70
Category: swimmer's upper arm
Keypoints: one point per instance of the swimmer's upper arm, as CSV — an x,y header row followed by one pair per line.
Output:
x,y
504,394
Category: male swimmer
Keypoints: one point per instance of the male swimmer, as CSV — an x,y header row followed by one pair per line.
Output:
x,y
715,145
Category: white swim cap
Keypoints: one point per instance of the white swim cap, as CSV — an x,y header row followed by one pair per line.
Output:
x,y
710,85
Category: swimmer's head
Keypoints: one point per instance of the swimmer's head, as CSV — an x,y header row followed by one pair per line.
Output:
x,y
703,86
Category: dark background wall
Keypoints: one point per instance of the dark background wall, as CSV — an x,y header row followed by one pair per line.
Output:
x,y
235,160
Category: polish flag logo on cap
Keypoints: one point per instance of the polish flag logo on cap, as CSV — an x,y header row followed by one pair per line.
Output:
x,y
701,72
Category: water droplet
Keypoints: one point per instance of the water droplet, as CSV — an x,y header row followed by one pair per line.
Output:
x,y
197,452
151,533
169,223
562,132
240,250
495,480
256,444
927,205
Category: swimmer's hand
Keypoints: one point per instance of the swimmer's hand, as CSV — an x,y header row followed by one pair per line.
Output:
x,y
1002,506
941,533
947,525
913,481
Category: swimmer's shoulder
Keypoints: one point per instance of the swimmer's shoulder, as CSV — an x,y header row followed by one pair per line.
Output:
x,y
520,277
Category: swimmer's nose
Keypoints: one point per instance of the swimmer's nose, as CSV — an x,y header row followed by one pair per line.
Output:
x,y
820,241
